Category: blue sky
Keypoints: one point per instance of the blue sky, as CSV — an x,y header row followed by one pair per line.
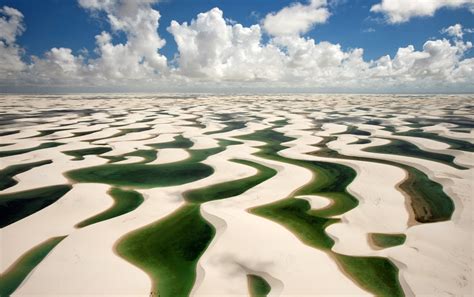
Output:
x,y
320,45
63,23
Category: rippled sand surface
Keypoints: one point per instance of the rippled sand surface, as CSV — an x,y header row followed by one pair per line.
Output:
x,y
236,195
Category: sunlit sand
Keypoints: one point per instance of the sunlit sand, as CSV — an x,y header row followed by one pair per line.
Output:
x,y
267,195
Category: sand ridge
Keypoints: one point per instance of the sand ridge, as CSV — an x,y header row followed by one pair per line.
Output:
x,y
435,259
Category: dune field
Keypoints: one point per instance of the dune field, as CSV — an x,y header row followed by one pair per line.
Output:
x,y
236,195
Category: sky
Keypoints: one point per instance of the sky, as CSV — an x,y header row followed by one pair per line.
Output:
x,y
414,46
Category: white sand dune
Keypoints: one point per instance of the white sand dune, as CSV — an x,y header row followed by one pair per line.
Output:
x,y
461,157
57,219
435,260
457,184
108,268
170,156
245,240
316,202
50,174
88,255
444,131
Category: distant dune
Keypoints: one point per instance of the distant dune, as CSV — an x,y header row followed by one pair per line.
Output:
x,y
236,195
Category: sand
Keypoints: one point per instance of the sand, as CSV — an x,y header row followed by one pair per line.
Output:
x,y
435,260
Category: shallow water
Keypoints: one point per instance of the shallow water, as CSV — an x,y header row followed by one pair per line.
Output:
x,y
50,145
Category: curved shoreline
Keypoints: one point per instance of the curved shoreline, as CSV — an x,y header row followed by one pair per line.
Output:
x,y
304,220
418,187
130,246
124,201
434,258
13,276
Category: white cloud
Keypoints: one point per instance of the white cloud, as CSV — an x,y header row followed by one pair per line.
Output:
x,y
58,67
215,52
138,58
297,18
457,31
211,48
464,70
310,62
440,60
399,11
11,26
454,31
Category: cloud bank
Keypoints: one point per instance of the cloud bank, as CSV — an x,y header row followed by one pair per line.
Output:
x,y
400,11
214,53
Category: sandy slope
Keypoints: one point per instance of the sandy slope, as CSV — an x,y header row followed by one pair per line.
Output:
x,y
436,259
429,247
57,219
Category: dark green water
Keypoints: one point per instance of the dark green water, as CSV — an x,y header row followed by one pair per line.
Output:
x,y
147,155
83,133
258,287
44,145
428,200
124,201
169,249
354,131
141,175
42,133
12,278
453,143
138,175
404,148
18,205
230,126
5,133
7,174
383,240
231,188
121,133
375,274
178,142
79,154
361,141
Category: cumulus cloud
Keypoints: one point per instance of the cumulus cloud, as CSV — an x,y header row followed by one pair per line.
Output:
x,y
440,60
214,51
139,56
454,31
310,62
399,11
210,47
58,67
11,26
138,59
297,18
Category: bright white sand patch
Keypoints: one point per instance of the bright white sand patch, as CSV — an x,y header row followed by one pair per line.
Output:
x,y
170,156
435,260
57,219
316,202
